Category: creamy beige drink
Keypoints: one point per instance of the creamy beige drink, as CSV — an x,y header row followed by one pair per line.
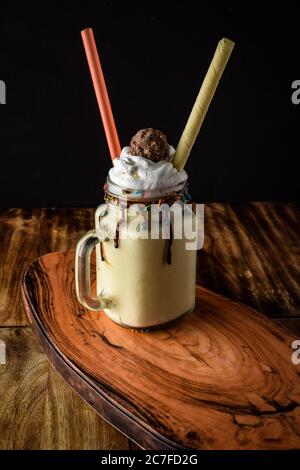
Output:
x,y
148,281
145,272
144,286
142,281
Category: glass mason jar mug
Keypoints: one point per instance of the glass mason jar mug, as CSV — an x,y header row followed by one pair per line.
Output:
x,y
145,271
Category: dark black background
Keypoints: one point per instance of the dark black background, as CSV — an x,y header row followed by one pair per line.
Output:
x,y
154,56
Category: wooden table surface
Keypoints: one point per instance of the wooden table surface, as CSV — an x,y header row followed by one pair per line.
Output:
x,y
251,254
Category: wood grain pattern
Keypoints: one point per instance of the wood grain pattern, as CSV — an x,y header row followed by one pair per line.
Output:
x,y
235,261
60,229
293,324
19,229
220,378
251,254
26,234
38,410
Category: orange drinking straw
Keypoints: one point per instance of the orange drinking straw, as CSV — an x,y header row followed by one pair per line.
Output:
x,y
101,92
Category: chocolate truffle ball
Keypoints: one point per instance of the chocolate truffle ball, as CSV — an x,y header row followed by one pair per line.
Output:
x,y
150,143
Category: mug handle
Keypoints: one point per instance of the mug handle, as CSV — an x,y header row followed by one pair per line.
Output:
x,y
84,249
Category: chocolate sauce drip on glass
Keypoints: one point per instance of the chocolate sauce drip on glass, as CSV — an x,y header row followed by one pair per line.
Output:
x,y
117,235
169,242
116,239
101,252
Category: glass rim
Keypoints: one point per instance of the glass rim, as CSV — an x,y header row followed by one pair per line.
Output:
x,y
142,194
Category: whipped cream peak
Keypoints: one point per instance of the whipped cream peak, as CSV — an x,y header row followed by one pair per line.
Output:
x,y
135,172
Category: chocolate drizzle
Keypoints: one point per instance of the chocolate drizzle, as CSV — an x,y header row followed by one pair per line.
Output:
x,y
117,235
122,219
125,203
169,244
101,252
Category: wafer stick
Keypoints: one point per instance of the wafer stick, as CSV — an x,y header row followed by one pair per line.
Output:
x,y
202,102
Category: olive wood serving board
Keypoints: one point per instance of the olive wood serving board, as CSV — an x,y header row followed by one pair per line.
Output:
x,y
218,378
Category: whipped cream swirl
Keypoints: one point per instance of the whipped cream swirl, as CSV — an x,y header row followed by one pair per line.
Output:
x,y
134,172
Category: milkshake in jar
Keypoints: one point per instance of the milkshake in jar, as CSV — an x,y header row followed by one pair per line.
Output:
x,y
144,278
146,263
